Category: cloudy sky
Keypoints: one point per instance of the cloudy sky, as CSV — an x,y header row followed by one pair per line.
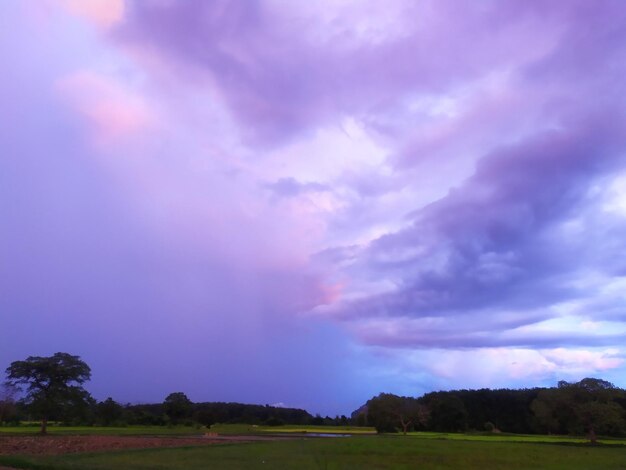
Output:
x,y
309,203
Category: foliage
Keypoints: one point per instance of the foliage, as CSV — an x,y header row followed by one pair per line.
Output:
x,y
591,405
508,410
53,384
8,406
109,412
388,413
177,407
219,412
204,417
274,422
447,412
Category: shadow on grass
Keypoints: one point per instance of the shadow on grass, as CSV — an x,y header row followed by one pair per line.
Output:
x,y
20,462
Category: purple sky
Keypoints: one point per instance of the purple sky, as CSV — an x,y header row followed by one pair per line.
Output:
x,y
309,203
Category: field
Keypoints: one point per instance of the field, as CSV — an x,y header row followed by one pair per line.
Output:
x,y
222,429
419,450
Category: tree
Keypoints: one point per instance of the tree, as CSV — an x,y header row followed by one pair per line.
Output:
x,y
550,412
388,412
205,417
447,412
8,410
589,405
109,412
52,383
177,407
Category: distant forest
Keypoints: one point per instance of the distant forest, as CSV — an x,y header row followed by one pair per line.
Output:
x,y
591,406
177,409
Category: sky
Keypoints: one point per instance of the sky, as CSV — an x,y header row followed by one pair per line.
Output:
x,y
310,203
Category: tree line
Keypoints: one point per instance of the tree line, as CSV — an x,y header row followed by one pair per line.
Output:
x,y
51,389
591,406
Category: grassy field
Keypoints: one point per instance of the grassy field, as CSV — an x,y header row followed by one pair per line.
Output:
x,y
380,452
247,429
106,431
290,429
227,429
492,437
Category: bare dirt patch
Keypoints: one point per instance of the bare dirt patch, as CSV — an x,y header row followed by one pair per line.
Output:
x,y
55,445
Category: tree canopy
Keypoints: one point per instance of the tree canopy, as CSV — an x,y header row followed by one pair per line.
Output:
x,y
51,383
591,405
177,407
388,412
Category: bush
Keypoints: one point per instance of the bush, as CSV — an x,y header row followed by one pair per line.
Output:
x,y
274,422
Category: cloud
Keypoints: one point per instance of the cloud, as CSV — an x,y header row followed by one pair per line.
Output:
x,y
113,110
290,187
120,252
104,13
505,240
280,76
500,367
436,179
521,231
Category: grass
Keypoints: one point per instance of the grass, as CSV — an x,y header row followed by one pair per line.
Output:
x,y
106,431
290,429
497,437
184,430
379,452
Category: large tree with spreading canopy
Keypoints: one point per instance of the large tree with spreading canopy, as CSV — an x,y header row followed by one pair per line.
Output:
x,y
51,383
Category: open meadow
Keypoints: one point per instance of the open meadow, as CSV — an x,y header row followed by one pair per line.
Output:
x,y
252,450
222,429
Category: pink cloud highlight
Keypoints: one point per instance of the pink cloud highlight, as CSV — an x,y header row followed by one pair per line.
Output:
x,y
112,109
104,13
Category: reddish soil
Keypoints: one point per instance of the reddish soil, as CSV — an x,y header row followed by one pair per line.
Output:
x,y
54,445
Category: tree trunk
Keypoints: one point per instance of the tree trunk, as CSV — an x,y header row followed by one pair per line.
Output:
x,y
405,425
592,435
44,425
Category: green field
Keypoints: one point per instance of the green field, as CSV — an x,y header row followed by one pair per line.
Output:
x,y
106,431
490,437
416,450
228,429
248,429
380,452
290,429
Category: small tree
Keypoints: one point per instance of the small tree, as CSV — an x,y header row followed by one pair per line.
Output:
x,y
177,407
7,403
109,412
51,383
